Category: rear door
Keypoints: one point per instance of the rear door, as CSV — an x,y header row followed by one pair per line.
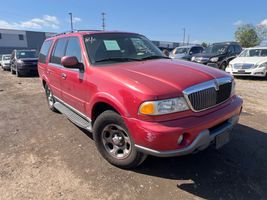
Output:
x,y
74,85
54,69
43,55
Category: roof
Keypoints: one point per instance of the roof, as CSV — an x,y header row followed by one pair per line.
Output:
x,y
229,42
86,32
257,47
189,46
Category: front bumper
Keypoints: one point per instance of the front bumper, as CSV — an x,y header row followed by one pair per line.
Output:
x,y
160,139
27,68
6,66
259,72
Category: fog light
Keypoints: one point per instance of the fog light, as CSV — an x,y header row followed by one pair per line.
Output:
x,y
180,139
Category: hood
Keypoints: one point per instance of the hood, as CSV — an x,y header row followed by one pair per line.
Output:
x,y
249,60
28,59
163,77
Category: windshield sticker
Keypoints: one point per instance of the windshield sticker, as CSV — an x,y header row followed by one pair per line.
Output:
x,y
112,45
22,53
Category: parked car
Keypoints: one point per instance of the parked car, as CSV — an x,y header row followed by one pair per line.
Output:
x,y
23,62
218,55
186,52
134,100
251,62
5,62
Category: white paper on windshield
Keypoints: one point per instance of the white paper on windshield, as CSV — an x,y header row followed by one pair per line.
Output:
x,y
112,45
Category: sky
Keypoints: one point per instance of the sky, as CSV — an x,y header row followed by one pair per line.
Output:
x,y
204,21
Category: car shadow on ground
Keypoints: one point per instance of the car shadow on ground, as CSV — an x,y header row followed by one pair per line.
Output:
x,y
253,78
237,171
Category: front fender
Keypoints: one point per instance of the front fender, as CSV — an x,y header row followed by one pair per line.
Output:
x,y
107,98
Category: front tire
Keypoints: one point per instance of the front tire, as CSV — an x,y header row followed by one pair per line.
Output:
x,y
50,98
114,141
223,66
12,71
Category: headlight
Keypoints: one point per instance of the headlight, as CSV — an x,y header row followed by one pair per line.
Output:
x,y
233,88
19,61
193,58
262,65
163,106
214,59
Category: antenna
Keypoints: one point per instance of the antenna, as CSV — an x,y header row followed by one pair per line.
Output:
x,y
103,20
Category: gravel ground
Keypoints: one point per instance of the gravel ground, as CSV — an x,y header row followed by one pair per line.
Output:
x,y
45,156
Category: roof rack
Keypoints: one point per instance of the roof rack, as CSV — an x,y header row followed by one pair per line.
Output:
x,y
76,31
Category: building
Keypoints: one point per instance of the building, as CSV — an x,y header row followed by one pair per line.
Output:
x,y
20,39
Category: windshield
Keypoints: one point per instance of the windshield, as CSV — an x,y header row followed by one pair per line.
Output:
x,y
107,48
26,54
254,53
6,58
181,50
216,49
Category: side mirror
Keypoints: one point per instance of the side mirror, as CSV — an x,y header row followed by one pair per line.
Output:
x,y
71,62
191,52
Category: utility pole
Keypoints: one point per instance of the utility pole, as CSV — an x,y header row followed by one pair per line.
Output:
x,y
103,20
188,39
71,23
184,37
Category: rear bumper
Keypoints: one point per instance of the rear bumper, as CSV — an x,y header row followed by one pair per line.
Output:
x,y
6,66
160,138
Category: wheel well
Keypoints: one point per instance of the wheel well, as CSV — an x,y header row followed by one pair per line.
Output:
x,y
100,108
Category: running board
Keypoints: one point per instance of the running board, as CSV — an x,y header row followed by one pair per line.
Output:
x,y
72,116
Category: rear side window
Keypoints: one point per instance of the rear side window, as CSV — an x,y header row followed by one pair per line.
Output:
x,y
44,51
74,48
59,51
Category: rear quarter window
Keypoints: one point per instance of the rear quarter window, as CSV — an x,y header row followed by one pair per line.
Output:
x,y
44,51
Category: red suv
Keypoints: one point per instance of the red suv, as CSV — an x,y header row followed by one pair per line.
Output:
x,y
134,100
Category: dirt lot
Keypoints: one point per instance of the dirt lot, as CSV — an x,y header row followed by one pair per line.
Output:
x,y
45,156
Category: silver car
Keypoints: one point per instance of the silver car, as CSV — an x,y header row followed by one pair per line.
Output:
x,y
5,62
186,52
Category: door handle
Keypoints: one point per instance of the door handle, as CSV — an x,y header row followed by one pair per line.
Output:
x,y
64,76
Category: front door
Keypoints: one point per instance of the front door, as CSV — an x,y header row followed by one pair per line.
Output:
x,y
73,82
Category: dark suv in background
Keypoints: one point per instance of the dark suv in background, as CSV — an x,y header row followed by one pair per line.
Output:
x,y
218,55
23,62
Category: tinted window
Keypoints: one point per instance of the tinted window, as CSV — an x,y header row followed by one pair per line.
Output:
x,y
44,51
231,50
26,54
237,49
59,51
74,48
196,50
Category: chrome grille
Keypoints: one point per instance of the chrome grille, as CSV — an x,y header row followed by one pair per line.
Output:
x,y
243,66
208,94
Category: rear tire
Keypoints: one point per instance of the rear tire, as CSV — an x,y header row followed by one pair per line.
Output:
x,y
50,99
114,141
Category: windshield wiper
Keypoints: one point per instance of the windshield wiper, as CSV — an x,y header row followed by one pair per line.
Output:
x,y
155,57
117,59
